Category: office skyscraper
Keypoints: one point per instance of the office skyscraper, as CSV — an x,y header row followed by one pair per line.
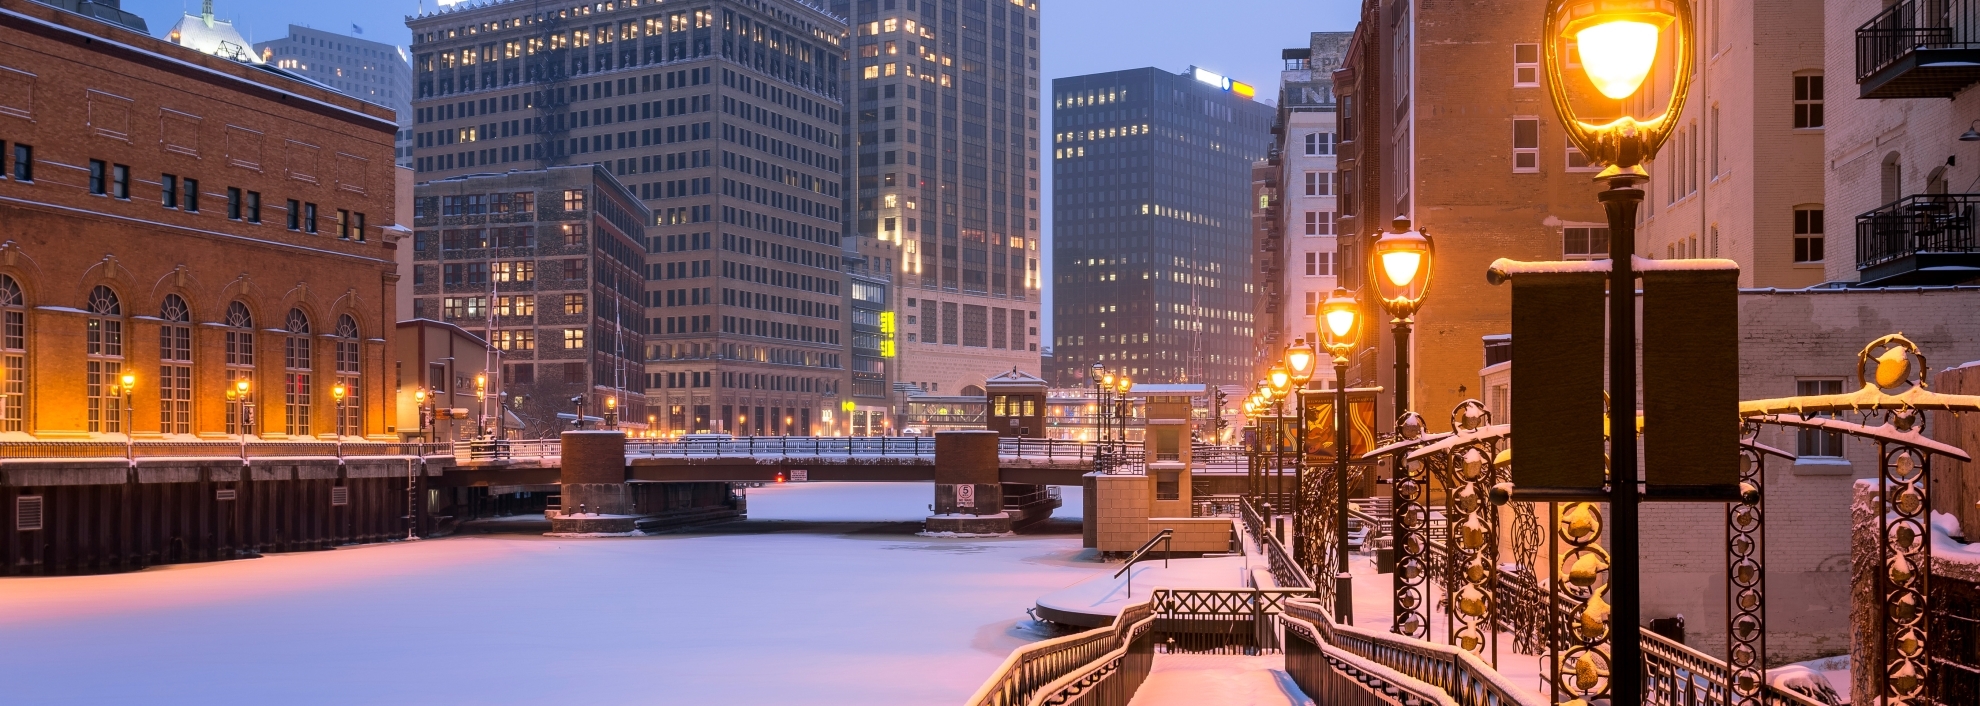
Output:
x,y
725,118
946,143
1152,224
367,70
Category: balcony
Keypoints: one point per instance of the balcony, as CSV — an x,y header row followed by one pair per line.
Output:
x,y
1922,239
1919,49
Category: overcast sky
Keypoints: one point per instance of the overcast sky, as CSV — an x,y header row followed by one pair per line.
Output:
x,y
1239,39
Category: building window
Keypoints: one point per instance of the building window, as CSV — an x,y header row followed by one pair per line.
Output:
x,y
1818,442
190,199
350,413
297,368
295,215
23,162
1578,162
1319,183
574,200
1808,234
309,218
98,177
1312,302
175,366
1584,242
1526,65
233,203
573,304
13,355
518,271
573,234
1808,101
240,362
1319,264
1526,144
1319,144
168,190
574,270
120,181
573,339
521,305
104,351
1319,222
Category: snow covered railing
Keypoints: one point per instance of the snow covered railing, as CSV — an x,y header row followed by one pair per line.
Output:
x,y
508,450
1285,572
1458,677
1032,667
19,451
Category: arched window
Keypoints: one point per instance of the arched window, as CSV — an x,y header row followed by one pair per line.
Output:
x,y
240,361
175,367
13,355
296,373
105,353
350,413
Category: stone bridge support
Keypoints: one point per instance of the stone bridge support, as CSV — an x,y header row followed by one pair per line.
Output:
x,y
596,496
969,495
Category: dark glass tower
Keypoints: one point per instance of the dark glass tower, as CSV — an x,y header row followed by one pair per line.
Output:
x,y
1152,225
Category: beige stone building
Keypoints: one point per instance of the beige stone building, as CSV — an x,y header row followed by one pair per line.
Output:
x,y
1308,189
1741,178
1897,161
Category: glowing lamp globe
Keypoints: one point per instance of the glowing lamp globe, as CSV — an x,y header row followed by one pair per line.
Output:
x,y
1280,380
1299,362
1618,72
1402,262
1340,324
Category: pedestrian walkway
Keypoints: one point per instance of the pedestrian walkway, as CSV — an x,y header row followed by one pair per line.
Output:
x,y
1210,680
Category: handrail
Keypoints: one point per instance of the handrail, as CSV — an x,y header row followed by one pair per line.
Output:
x,y
1465,678
1285,572
1162,537
18,451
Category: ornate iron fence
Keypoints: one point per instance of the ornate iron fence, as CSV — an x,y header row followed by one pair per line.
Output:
x,y
1462,677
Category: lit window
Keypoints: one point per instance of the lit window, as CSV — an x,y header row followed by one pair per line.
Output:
x,y
573,338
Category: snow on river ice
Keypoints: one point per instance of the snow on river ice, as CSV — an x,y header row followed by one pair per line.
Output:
x,y
823,597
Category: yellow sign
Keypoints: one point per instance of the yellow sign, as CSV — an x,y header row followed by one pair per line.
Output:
x,y
886,334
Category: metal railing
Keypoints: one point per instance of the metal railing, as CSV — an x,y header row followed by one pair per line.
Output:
x,y
1463,678
1048,450
18,451
1163,538
508,450
1278,558
1912,25
1920,223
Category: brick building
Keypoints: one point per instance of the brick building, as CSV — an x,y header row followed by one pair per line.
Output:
x,y
1444,118
549,267
190,220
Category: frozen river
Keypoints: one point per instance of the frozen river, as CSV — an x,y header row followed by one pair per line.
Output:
x,y
823,597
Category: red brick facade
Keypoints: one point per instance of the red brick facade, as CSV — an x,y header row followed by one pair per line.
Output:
x,y
101,125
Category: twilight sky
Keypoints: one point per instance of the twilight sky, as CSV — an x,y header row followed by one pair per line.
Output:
x,y
1239,39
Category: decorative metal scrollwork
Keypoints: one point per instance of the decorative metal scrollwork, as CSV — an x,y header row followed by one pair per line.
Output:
x,y
1582,668
1527,616
1318,553
1746,617
1412,543
1474,529
1907,563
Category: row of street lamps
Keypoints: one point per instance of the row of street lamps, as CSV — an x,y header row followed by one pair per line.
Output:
x,y
1400,261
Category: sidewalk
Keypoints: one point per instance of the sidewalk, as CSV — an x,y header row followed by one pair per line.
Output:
x,y
1207,680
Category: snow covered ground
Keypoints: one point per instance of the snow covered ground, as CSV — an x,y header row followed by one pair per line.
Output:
x,y
823,597
1212,680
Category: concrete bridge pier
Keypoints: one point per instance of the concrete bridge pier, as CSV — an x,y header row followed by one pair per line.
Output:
x,y
596,498
969,496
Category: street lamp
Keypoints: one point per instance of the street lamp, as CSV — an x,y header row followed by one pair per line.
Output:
x,y
337,393
128,383
238,393
612,412
1298,367
1623,47
419,405
1401,261
1123,408
1340,327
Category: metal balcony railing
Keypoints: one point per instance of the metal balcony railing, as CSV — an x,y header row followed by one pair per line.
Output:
x,y
1905,30
1920,223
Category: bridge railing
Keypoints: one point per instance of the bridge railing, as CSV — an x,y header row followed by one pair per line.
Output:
x,y
1329,660
17,451
539,450
1049,450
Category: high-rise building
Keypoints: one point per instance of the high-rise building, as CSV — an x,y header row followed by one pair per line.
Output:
x,y
372,71
946,183
549,267
724,118
1308,187
1152,224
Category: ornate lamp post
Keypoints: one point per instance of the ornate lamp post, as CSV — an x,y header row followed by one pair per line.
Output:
x,y
337,393
1340,327
612,412
1402,262
1279,382
1123,409
425,417
1299,371
481,404
1635,61
1264,395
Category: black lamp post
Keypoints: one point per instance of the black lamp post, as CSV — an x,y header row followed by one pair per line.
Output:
x,y
1340,327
